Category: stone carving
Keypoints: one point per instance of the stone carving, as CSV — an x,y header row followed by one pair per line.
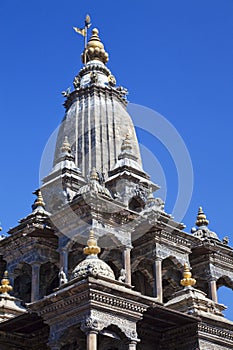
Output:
x,y
89,324
67,92
62,277
122,276
76,82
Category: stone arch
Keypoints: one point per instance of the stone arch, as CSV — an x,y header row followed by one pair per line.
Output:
x,y
225,281
23,282
3,266
136,204
112,338
171,276
142,277
75,255
113,258
48,278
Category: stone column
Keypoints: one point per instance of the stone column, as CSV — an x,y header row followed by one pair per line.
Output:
x,y
35,292
64,260
91,340
213,290
132,345
158,287
127,264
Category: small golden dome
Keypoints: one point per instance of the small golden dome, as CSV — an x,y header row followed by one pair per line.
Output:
x,y
201,218
187,280
5,284
95,49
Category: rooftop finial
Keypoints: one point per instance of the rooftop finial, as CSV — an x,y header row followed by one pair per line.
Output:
x,y
83,32
187,280
201,218
94,174
39,202
66,146
94,49
5,284
92,247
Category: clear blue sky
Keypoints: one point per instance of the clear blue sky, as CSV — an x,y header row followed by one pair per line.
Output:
x,y
175,57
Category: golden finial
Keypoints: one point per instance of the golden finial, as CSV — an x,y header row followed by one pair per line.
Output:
x,y
126,144
66,146
187,280
92,247
94,175
201,218
39,202
94,49
5,284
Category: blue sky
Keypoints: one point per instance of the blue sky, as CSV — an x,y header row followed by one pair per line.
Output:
x,y
173,56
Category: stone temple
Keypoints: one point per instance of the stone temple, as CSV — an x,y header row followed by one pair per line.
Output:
x,y
98,263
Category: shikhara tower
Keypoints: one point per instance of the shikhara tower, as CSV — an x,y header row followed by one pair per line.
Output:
x,y
137,290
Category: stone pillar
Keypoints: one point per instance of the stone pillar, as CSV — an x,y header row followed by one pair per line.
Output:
x,y
35,292
158,287
213,290
91,340
127,264
64,260
132,345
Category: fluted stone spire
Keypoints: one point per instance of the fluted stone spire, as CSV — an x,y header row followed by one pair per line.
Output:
x,y
96,119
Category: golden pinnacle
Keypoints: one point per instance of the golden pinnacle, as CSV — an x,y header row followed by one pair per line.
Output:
x,y
201,218
5,284
39,202
95,49
187,280
92,247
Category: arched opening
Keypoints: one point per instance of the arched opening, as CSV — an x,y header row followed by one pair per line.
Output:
x,y
3,266
111,338
142,277
22,282
136,204
48,278
75,256
113,258
171,277
224,287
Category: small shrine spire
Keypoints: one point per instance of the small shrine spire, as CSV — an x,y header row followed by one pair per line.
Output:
x,y
187,280
66,146
94,175
5,286
201,218
126,149
39,202
92,247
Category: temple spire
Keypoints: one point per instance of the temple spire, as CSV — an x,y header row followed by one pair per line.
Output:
x,y
201,218
39,202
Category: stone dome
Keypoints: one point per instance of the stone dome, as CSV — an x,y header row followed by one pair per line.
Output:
x,y
92,265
